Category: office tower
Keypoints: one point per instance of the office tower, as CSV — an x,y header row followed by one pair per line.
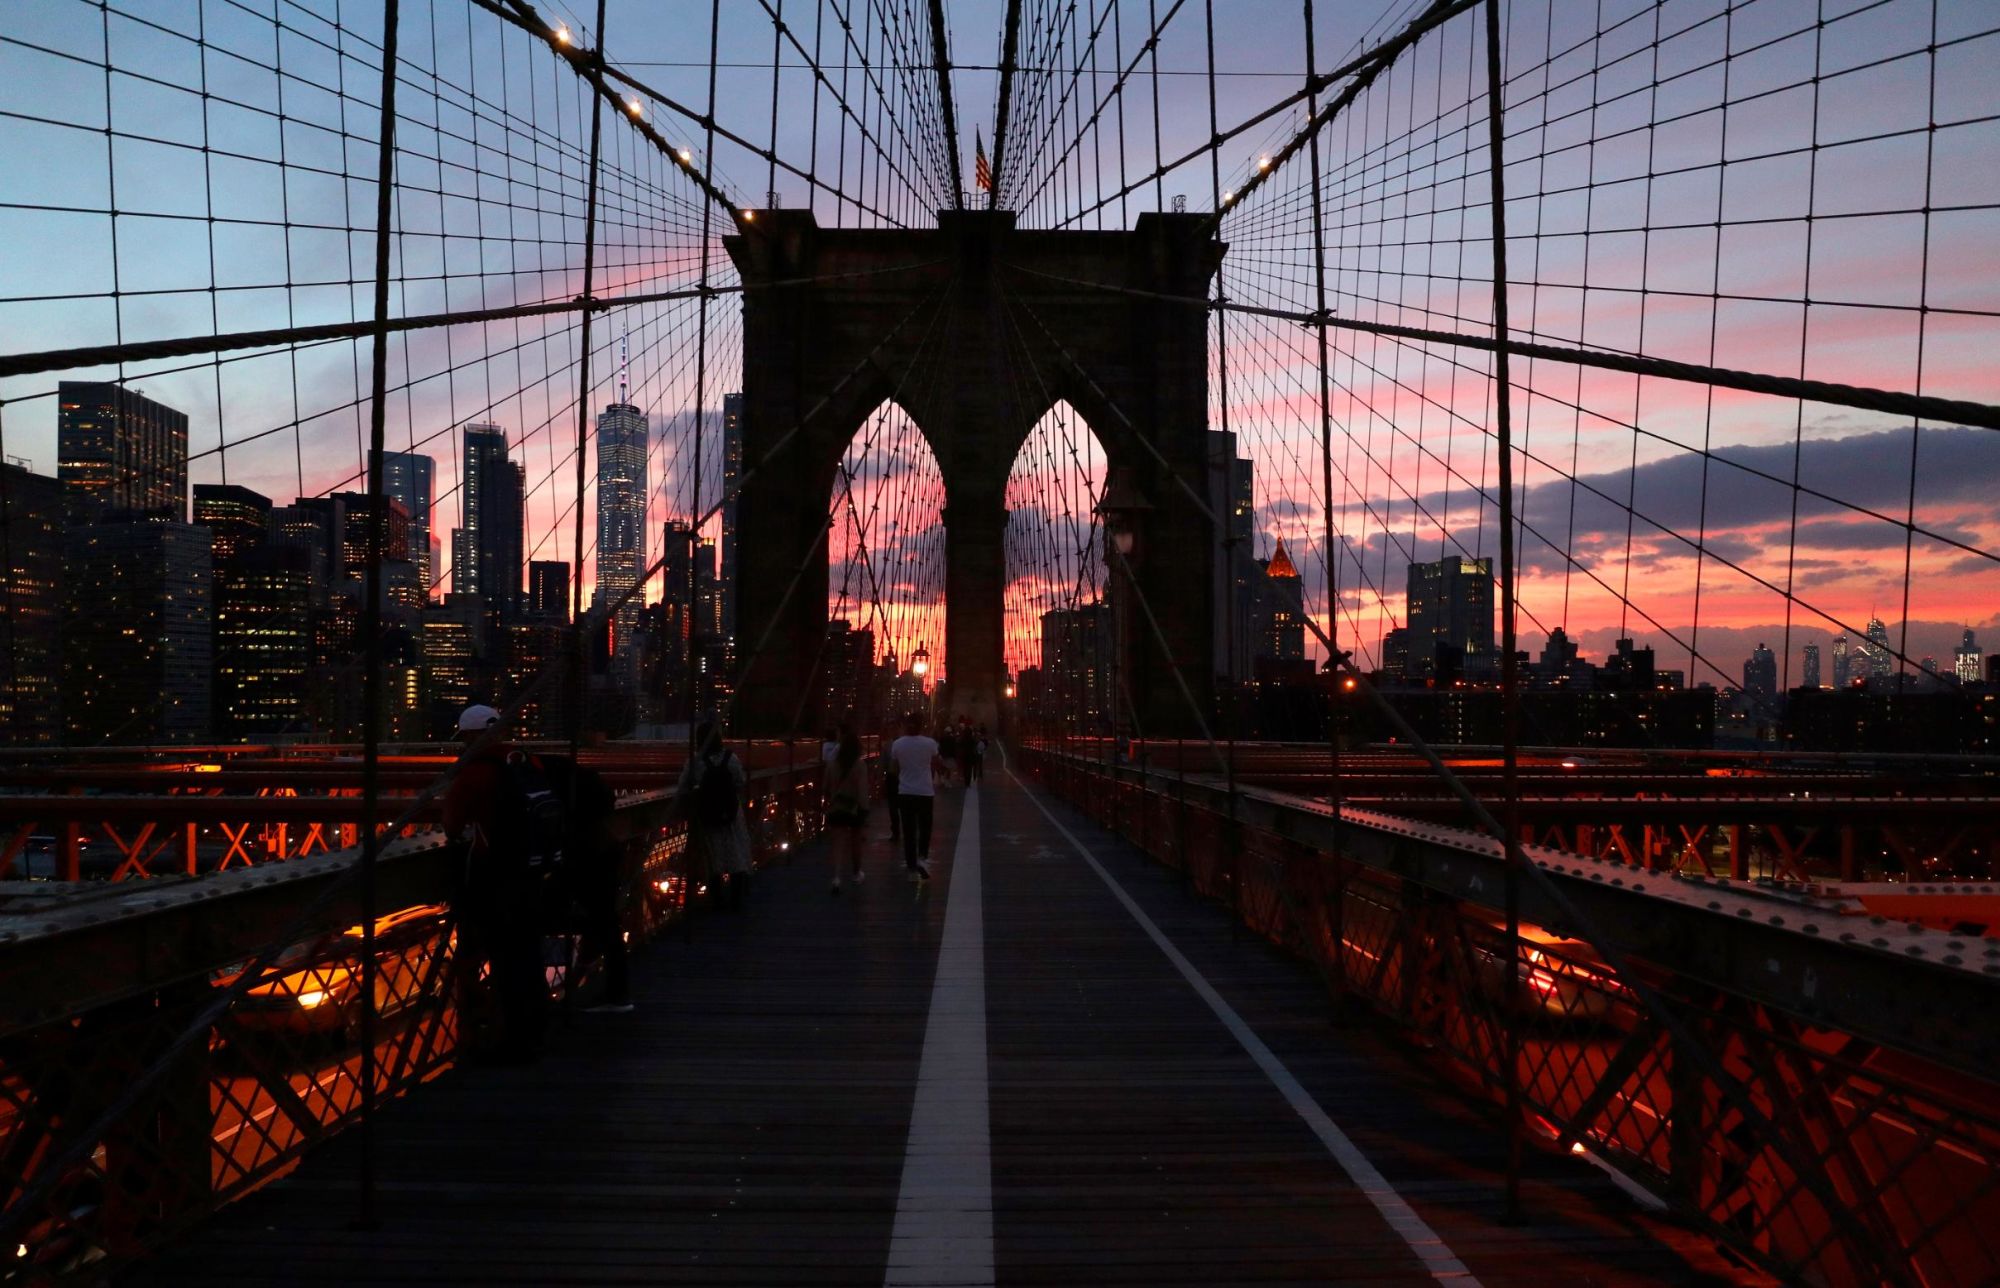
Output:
x,y
849,667
120,453
313,525
707,593
1560,656
31,561
1630,668
1809,671
1076,671
1236,577
1760,673
238,520
1879,663
353,529
263,641
531,648
621,524
1396,655
1843,663
1449,613
455,646
1966,659
677,616
732,472
548,591
410,478
1283,632
137,655
487,546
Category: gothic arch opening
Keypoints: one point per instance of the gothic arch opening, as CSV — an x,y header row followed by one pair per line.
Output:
x,y
1057,632
884,652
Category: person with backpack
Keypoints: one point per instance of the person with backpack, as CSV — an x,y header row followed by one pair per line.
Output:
x,y
710,797
919,766
502,807
846,779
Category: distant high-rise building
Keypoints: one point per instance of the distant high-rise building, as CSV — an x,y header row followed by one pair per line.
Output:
x,y
411,478
1560,655
849,667
1880,662
488,545
1449,613
1076,666
314,525
1396,655
548,591
707,593
1966,660
263,640
120,453
1630,668
238,520
1283,628
31,564
1809,670
137,652
1236,582
354,533
621,524
1843,663
677,615
455,648
732,473
1760,673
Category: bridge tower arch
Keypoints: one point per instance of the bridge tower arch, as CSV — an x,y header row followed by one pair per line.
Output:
x,y
977,328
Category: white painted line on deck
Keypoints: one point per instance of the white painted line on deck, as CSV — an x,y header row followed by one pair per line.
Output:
x,y
1429,1248
944,1211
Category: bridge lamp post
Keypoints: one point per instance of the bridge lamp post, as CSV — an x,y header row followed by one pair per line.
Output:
x,y
920,666
1122,508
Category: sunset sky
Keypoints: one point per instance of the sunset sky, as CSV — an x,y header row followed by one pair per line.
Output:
x,y
1843,240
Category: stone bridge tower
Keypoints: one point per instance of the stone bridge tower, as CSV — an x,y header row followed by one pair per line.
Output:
x,y
972,328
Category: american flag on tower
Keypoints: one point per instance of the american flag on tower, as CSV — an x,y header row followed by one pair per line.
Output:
x,y
982,172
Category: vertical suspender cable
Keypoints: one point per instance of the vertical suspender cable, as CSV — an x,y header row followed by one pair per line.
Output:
x,y
576,623
1330,559
692,671
1510,697
371,614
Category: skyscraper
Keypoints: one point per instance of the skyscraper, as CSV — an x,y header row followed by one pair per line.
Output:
x,y
1760,673
119,452
31,575
410,478
1449,613
1879,662
263,640
1284,624
136,632
238,520
621,522
1843,663
1076,666
548,591
487,546
732,471
1966,660
1809,671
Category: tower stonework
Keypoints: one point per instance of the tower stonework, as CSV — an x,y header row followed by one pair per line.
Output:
x,y
976,329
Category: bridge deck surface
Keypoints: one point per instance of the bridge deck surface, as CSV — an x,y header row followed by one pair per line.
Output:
x,y
752,1121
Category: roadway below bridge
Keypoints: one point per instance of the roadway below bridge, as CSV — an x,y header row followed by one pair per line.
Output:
x,y
1051,1065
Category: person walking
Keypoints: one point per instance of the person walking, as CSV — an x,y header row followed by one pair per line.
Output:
x,y
919,766
595,876
710,797
500,807
975,754
846,781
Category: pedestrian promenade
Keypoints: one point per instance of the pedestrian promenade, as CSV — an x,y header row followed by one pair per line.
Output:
x,y
1049,1066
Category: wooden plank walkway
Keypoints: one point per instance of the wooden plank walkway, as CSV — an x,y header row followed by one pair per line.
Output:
x,y
749,1124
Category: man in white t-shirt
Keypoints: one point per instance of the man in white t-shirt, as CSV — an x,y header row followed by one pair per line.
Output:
x,y
918,767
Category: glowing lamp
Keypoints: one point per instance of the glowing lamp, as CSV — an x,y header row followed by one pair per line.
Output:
x,y
562,35
687,154
749,215
1122,507
634,106
1010,690
1263,163
920,663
